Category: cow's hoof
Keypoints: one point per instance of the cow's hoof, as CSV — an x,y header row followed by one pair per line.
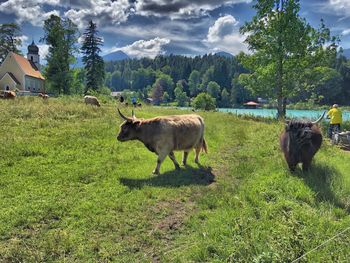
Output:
x,y
177,167
155,172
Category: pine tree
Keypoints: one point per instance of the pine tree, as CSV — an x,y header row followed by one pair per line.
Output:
x,y
94,64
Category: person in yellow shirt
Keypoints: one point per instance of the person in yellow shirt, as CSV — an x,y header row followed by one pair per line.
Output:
x,y
335,116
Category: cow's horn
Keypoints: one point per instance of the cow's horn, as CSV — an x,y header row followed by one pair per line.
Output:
x,y
121,115
319,119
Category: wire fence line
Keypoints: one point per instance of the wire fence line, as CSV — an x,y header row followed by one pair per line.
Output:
x,y
321,245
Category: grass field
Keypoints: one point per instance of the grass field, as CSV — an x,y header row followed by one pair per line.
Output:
x,y
69,192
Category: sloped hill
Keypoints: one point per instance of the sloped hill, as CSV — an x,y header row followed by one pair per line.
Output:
x,y
115,56
69,191
224,54
346,53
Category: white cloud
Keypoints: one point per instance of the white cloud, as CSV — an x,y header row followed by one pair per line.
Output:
x,y
110,11
144,48
43,51
176,30
222,27
224,36
23,39
346,32
28,11
111,15
340,7
180,9
100,11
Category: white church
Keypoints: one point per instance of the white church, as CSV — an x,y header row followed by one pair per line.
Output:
x,y
22,74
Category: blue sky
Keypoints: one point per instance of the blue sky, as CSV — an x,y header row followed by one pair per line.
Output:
x,y
150,27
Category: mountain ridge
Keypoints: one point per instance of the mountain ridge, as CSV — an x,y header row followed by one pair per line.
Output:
x,y
113,56
346,53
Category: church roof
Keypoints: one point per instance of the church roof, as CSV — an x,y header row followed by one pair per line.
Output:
x,y
13,77
27,66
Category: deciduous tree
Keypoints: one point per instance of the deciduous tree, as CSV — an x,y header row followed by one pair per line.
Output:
x,y
9,39
204,101
284,44
61,35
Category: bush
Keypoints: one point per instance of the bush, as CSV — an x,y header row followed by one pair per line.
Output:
x,y
204,101
104,91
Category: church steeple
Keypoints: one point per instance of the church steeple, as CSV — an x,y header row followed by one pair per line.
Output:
x,y
33,54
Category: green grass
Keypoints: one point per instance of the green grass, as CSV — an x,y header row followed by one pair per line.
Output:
x,y
70,192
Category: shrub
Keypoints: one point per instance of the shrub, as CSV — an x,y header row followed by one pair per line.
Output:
x,y
204,101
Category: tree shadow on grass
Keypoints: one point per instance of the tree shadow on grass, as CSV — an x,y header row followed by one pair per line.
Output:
x,y
175,178
324,180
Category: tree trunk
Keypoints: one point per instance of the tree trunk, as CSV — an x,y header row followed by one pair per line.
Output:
x,y
281,104
281,110
284,106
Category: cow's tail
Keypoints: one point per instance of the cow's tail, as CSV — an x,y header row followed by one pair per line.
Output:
x,y
204,146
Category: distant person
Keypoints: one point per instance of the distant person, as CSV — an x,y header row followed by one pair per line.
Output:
x,y
335,116
121,99
133,101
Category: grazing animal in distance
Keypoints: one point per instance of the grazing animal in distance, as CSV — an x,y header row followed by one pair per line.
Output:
x,y
92,100
44,96
300,141
166,134
9,95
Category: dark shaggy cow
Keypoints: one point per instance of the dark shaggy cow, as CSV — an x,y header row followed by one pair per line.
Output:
x,y
166,134
300,142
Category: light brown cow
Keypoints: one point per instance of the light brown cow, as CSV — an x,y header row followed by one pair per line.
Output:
x,y
7,94
166,134
92,100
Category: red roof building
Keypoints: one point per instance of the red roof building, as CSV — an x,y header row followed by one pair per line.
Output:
x,y
23,74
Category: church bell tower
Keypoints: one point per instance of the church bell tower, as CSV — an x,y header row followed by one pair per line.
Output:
x,y
33,54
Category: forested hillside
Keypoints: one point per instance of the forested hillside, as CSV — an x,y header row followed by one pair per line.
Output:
x,y
163,77
215,74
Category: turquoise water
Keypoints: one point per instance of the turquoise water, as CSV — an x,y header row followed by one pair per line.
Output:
x,y
302,114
